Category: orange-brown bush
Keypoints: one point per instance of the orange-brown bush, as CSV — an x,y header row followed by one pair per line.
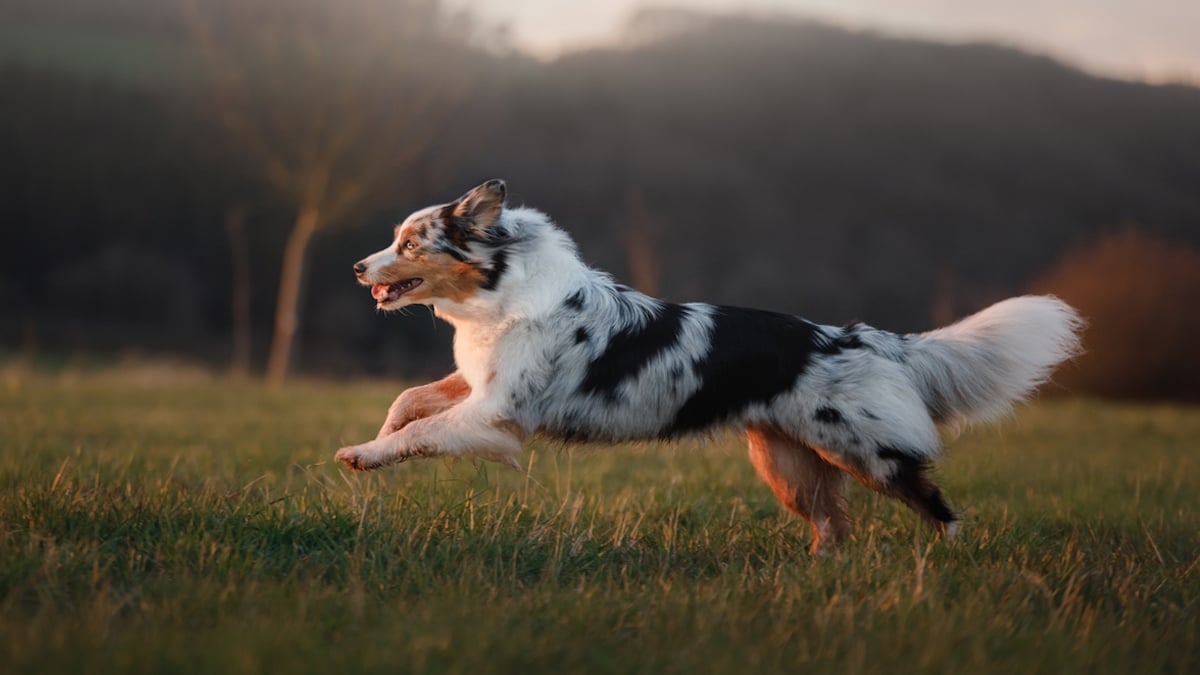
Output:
x,y
1141,297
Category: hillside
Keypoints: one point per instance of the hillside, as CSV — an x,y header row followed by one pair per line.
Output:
x,y
787,164
848,173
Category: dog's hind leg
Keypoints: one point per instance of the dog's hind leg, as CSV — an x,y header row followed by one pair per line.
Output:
x,y
905,476
803,482
911,483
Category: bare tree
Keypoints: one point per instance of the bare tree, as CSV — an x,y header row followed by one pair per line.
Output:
x,y
328,104
239,251
640,233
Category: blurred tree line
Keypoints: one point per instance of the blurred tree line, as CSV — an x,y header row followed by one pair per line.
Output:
x,y
196,177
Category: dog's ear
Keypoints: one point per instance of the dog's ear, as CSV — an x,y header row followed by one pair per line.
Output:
x,y
483,204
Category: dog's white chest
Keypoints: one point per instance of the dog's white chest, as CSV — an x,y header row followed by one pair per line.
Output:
x,y
475,353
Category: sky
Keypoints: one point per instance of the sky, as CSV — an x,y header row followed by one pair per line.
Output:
x,y
1157,40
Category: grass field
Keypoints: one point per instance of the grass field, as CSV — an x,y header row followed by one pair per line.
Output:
x,y
157,523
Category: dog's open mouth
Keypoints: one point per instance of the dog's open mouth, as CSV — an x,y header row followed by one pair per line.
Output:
x,y
385,293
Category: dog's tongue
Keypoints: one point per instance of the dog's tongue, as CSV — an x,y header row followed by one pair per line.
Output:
x,y
380,292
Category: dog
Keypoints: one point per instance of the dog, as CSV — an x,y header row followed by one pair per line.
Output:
x,y
546,345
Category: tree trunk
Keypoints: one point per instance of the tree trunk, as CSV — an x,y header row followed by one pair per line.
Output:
x,y
640,233
239,251
287,307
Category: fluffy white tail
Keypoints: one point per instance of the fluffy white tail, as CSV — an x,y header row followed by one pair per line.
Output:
x,y
974,370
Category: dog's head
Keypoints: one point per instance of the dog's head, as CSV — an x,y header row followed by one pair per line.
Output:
x,y
447,252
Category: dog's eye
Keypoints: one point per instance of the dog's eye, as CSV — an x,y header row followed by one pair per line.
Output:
x,y
410,244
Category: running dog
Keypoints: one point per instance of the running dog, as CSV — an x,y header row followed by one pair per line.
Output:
x,y
544,344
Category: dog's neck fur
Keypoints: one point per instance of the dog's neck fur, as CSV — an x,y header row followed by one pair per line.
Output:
x,y
543,269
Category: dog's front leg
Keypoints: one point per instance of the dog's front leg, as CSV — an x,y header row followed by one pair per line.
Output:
x,y
421,402
460,431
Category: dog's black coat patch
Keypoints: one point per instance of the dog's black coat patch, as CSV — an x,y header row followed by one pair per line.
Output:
x,y
457,229
463,230
894,454
492,275
526,389
910,483
581,335
828,415
453,253
849,338
755,356
630,350
574,301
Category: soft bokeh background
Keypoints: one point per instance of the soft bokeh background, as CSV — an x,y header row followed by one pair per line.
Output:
x,y
192,179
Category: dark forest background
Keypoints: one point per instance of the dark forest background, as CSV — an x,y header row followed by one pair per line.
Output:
x,y
172,167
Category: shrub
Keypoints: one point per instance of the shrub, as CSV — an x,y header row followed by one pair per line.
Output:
x,y
1141,296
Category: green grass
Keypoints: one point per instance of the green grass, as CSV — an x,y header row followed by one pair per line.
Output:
x,y
150,523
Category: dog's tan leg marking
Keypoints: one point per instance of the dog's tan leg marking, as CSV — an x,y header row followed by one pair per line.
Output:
x,y
421,402
456,432
803,482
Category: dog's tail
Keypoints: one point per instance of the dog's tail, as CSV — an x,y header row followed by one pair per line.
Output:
x,y
976,369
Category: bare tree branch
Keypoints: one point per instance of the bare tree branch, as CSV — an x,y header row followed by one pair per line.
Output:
x,y
323,103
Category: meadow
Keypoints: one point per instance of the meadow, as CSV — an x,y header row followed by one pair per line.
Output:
x,y
165,521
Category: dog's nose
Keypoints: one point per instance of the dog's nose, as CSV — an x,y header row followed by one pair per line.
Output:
x,y
360,268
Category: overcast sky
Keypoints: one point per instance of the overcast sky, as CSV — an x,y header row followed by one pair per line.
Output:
x,y
1149,39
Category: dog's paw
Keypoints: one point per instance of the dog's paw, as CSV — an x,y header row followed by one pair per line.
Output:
x,y
359,458
366,458
951,529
